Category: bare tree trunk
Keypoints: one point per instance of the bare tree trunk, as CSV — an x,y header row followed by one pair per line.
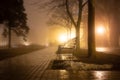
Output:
x,y
74,22
9,37
91,29
78,25
77,39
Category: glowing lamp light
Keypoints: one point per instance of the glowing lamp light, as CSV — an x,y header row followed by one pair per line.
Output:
x,y
62,38
100,30
100,49
26,43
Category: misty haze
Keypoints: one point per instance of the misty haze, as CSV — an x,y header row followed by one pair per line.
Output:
x,y
59,40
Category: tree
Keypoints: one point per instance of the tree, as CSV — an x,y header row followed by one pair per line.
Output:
x,y
75,22
73,10
91,28
63,20
13,15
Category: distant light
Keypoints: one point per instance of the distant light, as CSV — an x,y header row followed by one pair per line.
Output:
x,y
46,44
72,35
62,38
99,74
100,29
101,49
26,43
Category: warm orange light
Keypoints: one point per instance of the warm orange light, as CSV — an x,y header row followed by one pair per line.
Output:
x,y
100,29
26,43
62,38
100,49
72,35
99,74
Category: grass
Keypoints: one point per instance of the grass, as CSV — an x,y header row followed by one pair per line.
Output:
x,y
11,52
100,58
101,61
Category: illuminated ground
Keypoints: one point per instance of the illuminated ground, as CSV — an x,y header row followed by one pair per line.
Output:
x,y
26,67
34,66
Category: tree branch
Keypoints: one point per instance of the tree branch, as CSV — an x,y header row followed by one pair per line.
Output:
x,y
84,3
69,14
80,12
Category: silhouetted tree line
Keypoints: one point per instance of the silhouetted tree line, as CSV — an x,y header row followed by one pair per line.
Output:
x,y
12,14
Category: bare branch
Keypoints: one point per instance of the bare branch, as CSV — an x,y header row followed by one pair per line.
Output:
x,y
84,3
68,11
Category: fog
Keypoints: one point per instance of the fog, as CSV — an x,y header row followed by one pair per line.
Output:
x,y
106,15
37,22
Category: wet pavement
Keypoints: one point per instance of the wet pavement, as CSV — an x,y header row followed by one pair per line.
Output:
x,y
34,66
80,75
28,66
109,50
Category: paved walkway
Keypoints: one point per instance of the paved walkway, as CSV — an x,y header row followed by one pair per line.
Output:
x,y
28,66
33,66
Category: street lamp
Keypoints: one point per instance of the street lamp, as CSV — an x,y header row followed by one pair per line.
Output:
x,y
62,38
100,30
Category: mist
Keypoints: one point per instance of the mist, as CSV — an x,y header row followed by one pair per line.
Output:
x,y
37,22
